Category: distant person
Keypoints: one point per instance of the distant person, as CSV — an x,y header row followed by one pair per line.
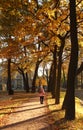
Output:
x,y
41,94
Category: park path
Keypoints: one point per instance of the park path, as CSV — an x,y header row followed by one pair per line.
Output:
x,y
30,116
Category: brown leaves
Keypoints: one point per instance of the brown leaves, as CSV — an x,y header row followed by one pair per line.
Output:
x,y
8,105
58,115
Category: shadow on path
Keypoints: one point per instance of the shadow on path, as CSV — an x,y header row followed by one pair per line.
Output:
x,y
29,120
25,109
31,115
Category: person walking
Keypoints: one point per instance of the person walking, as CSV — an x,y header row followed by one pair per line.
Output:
x,y
41,94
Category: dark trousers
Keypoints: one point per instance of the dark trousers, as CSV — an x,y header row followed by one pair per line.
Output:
x,y
41,99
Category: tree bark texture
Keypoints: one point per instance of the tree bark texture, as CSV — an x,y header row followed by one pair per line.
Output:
x,y
70,93
57,100
9,87
54,72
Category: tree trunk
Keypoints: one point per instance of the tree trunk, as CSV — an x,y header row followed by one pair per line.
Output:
x,y
57,100
9,87
34,78
80,69
70,93
47,76
64,79
24,80
81,79
54,72
27,83
50,79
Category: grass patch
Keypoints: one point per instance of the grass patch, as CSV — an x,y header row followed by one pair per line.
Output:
x,y
58,114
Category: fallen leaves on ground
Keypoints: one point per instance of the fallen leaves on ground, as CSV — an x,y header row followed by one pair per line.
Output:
x,y
8,103
58,115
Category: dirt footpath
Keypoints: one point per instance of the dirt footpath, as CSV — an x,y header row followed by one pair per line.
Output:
x,y
30,116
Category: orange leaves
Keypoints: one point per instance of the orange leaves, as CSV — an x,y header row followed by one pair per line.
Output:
x,y
30,21
51,13
81,15
64,28
9,50
27,42
59,25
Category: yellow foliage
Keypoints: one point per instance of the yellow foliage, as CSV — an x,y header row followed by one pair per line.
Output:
x,y
81,43
43,81
51,13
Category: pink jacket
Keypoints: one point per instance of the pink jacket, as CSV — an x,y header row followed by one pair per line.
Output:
x,y
42,92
